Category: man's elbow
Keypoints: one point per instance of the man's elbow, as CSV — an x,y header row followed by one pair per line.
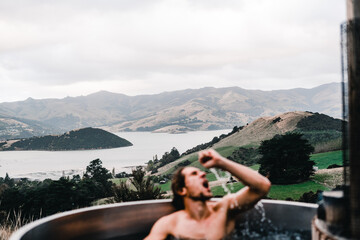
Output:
x,y
265,187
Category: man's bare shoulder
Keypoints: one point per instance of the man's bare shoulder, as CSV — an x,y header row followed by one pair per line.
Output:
x,y
172,217
165,226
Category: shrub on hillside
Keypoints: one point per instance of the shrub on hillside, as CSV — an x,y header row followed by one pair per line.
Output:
x,y
168,157
310,197
333,166
245,156
319,121
144,188
184,163
286,159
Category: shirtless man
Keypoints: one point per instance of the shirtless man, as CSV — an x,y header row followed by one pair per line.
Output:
x,y
199,218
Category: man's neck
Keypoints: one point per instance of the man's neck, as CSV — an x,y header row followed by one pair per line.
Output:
x,y
197,208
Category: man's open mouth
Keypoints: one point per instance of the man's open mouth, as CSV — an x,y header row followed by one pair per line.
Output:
x,y
206,184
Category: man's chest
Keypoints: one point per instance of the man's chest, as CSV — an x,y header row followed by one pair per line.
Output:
x,y
214,227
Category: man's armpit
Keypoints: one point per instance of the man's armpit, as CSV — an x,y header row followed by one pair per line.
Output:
x,y
241,201
161,229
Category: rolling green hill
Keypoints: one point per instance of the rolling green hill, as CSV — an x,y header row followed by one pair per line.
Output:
x,y
322,131
241,145
85,138
324,179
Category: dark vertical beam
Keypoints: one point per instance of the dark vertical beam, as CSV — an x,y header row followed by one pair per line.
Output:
x,y
353,40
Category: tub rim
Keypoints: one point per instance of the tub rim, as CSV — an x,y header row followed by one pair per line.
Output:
x,y
18,234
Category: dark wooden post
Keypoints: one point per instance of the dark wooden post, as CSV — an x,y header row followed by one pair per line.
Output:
x,y
353,40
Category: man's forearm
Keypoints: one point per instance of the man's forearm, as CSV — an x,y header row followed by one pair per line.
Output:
x,y
246,175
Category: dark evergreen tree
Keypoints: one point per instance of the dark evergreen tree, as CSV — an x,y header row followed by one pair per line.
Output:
x,y
34,199
145,188
123,193
8,181
286,159
59,197
96,172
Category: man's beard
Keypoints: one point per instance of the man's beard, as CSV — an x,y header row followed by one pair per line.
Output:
x,y
200,198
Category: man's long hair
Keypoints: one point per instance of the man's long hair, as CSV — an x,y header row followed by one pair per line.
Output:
x,y
177,183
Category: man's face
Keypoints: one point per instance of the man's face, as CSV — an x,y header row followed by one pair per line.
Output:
x,y
196,184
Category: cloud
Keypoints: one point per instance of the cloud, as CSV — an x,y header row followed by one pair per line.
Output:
x,y
210,42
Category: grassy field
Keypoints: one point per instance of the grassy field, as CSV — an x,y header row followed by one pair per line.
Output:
x,y
224,151
234,187
280,192
165,187
323,160
321,181
211,177
192,159
294,191
118,180
198,165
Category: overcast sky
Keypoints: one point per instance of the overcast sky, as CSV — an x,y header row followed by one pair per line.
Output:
x,y
70,48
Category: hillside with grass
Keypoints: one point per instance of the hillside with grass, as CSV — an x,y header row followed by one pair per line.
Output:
x,y
324,179
322,131
241,145
85,138
14,127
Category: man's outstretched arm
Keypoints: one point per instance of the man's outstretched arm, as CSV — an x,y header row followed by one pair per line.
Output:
x,y
256,185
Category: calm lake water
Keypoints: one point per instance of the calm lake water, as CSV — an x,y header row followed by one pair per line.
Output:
x,y
54,164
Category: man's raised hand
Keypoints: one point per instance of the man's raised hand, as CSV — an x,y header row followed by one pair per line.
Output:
x,y
210,158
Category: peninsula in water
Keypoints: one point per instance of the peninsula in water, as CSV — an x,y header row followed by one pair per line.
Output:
x,y
81,139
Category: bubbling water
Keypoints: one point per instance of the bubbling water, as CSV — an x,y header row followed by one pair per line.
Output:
x,y
257,227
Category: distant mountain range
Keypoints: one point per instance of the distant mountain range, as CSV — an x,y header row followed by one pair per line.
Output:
x,y
192,109
13,127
